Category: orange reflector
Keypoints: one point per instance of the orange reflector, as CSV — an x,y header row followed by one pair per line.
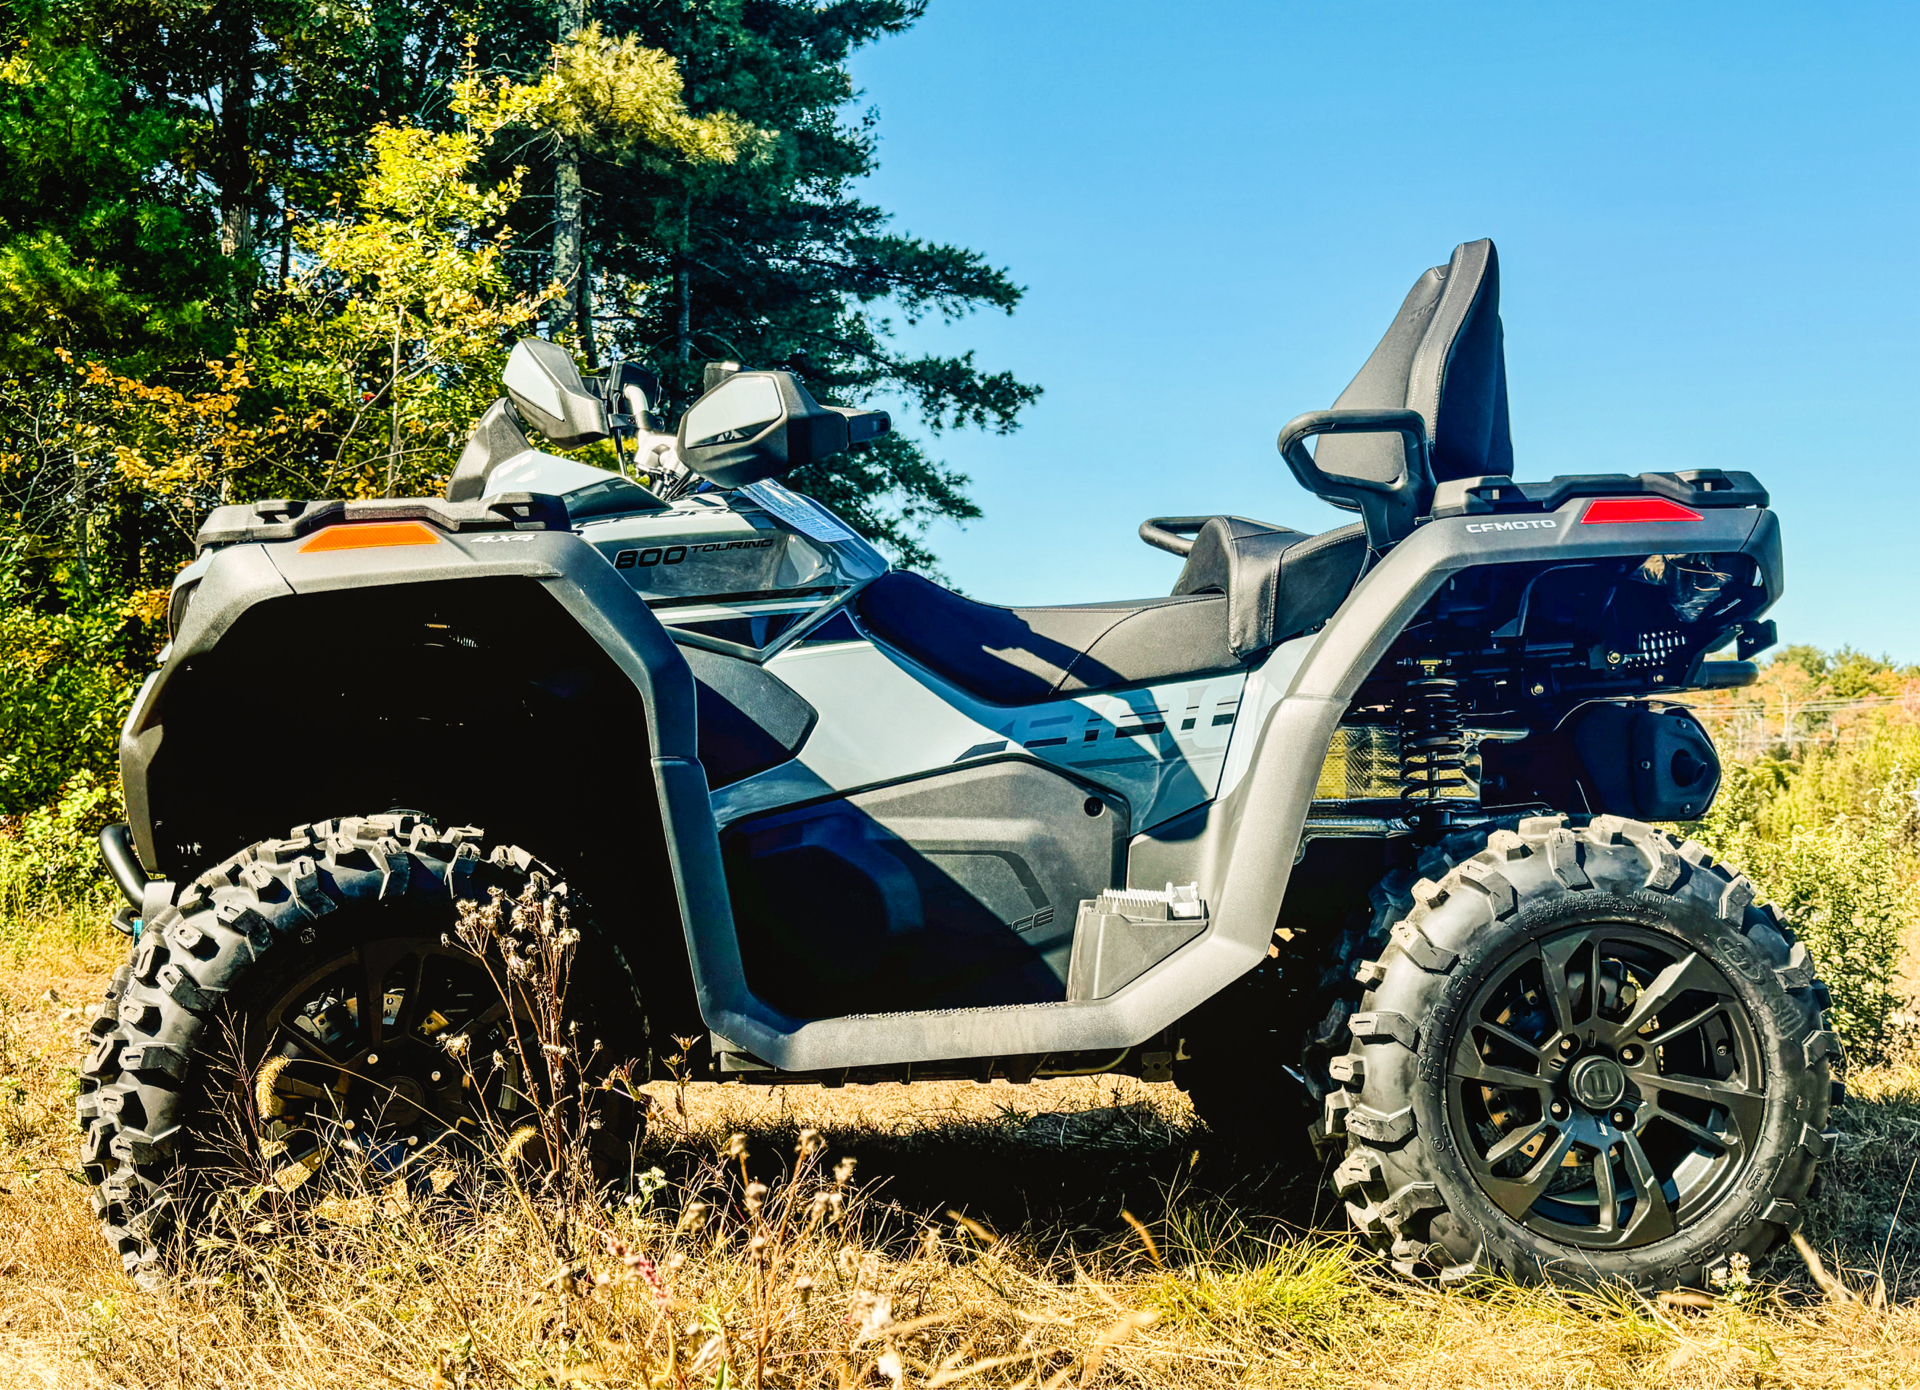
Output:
x,y
1615,509
369,534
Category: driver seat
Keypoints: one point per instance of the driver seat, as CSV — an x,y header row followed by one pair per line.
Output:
x,y
1026,656
1247,585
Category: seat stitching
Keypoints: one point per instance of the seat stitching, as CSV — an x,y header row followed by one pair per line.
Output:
x,y
1233,599
1087,650
1325,540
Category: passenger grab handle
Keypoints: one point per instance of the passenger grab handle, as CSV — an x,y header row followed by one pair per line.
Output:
x,y
1173,534
1389,507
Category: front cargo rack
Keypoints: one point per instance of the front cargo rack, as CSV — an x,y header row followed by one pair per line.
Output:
x,y
281,520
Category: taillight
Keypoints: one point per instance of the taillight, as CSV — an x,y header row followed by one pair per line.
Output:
x,y
1617,509
368,535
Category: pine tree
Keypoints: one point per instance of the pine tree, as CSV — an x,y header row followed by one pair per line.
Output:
x,y
777,262
103,250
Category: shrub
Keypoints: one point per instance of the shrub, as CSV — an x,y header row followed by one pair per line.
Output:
x,y
65,686
1845,883
50,875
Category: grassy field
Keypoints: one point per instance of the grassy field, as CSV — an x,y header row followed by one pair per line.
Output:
x,y
1063,1233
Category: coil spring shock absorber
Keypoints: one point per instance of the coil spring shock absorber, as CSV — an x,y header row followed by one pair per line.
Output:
x,y
1433,749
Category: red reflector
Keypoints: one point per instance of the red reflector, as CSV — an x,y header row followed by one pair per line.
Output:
x,y
1615,509
370,534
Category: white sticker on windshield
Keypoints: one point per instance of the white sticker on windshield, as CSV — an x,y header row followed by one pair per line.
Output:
x,y
802,513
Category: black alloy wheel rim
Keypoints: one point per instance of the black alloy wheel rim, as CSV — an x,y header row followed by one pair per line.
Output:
x,y
380,1086
1607,1087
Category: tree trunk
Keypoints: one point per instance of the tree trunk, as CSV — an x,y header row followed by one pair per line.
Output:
x,y
683,318
235,172
566,202
566,233
583,319
393,410
124,541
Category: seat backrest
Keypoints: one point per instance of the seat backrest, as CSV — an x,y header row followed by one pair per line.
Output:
x,y
1279,582
1445,357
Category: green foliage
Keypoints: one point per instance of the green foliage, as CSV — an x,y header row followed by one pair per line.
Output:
x,y
390,341
101,250
1223,1280
625,100
1830,838
1844,888
1845,674
50,863
64,691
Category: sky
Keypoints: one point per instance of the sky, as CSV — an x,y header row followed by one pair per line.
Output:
x,y
1707,219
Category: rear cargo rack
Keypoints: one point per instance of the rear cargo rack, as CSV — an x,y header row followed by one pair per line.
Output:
x,y
281,520
1695,487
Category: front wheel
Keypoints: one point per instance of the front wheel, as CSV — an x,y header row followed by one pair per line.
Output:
x,y
1585,1056
320,974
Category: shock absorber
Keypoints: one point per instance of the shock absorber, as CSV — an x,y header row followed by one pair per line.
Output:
x,y
1433,748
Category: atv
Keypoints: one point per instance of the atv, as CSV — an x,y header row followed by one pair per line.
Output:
x,y
1351,833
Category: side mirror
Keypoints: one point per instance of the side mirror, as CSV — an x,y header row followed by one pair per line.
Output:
x,y
629,391
755,425
545,386
1389,505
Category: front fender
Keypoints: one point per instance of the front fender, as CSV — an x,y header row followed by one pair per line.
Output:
x,y
292,668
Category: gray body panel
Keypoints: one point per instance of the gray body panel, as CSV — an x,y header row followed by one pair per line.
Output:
x,y
883,717
591,593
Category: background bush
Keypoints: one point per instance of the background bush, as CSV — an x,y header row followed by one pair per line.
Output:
x,y
51,882
1828,828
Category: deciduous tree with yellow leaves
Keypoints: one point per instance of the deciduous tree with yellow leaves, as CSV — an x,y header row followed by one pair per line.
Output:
x,y
376,355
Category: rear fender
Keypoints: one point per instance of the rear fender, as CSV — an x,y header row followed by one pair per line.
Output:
x,y
1247,848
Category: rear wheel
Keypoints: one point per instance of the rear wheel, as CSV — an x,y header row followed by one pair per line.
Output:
x,y
1584,1056
295,1008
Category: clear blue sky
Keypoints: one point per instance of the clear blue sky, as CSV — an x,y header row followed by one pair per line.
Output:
x,y
1706,216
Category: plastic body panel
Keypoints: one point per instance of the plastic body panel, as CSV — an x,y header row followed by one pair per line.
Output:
x,y
958,888
1241,850
672,790
749,720
731,574
884,717
1243,854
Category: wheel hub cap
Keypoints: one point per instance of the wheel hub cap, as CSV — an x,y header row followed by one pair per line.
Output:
x,y
1597,1082
1606,1086
358,1062
408,1102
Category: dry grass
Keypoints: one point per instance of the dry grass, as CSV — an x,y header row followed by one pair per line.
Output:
x,y
1063,1233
